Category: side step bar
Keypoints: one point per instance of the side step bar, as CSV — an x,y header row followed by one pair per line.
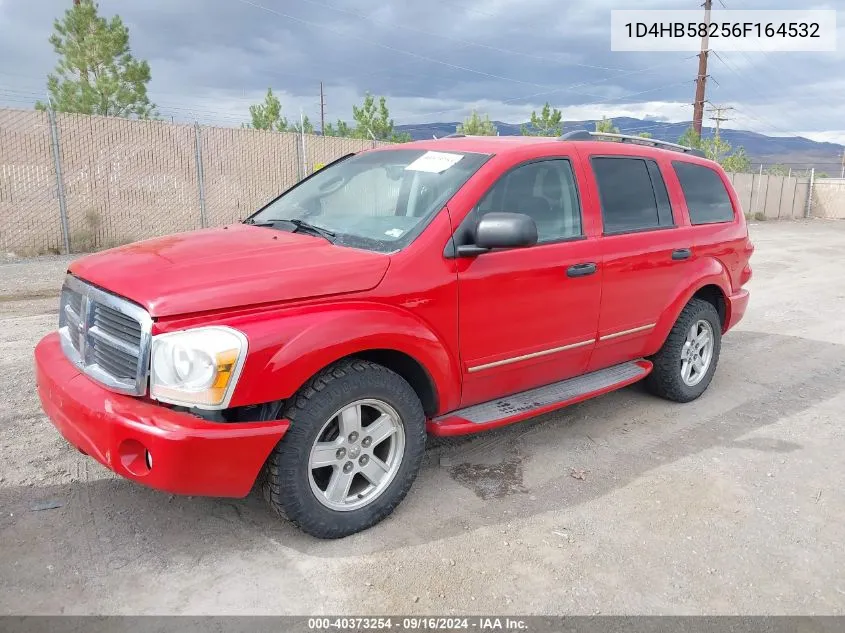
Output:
x,y
527,404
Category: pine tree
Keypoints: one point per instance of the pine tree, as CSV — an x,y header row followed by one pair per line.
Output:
x,y
547,123
268,115
373,122
96,72
606,126
474,125
717,149
341,128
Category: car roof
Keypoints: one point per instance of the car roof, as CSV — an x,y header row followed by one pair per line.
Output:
x,y
505,144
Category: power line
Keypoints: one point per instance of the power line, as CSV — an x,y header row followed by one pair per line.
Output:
x,y
388,47
753,89
183,109
570,88
457,40
764,54
625,96
718,118
749,81
468,9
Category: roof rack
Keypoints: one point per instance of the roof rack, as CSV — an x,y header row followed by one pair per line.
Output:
x,y
584,135
454,136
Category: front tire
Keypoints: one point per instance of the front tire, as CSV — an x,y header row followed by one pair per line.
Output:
x,y
354,447
684,366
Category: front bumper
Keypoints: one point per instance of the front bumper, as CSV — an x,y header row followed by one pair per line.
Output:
x,y
148,443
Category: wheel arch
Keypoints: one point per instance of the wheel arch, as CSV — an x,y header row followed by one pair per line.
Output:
x,y
714,295
711,284
412,370
389,337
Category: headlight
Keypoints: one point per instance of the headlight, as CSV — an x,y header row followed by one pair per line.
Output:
x,y
197,367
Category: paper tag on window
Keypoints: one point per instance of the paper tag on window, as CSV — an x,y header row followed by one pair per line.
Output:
x,y
434,162
394,232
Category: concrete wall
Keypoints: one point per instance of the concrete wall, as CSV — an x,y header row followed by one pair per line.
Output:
x,y
772,197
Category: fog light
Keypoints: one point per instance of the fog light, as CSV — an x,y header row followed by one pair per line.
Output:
x,y
134,457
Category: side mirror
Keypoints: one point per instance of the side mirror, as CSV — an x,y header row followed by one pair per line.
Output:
x,y
501,230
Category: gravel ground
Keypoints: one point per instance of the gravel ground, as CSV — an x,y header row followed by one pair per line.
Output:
x,y
726,505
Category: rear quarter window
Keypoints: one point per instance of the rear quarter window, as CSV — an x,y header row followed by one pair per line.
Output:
x,y
707,199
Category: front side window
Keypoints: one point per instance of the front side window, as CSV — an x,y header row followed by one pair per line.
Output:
x,y
633,194
376,200
707,199
545,191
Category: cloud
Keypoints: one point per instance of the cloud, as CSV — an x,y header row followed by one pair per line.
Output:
x,y
436,60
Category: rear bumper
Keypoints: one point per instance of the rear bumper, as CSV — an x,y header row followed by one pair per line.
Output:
x,y
737,304
188,455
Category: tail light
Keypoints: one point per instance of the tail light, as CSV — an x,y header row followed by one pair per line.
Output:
x,y
745,275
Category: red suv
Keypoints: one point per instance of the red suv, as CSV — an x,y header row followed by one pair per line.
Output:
x,y
440,287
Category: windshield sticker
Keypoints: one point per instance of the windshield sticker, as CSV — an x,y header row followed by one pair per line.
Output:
x,y
394,233
434,162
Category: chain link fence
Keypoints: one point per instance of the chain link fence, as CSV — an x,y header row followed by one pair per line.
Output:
x,y
30,221
829,198
79,183
76,183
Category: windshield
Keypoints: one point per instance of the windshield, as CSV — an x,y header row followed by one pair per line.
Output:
x,y
376,200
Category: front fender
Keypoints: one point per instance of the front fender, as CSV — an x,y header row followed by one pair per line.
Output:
x,y
289,347
702,272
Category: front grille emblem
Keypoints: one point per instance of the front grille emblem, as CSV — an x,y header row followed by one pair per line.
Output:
x,y
105,336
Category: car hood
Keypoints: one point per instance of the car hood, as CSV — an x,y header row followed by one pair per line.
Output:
x,y
228,267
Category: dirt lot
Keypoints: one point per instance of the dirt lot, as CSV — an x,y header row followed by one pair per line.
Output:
x,y
726,505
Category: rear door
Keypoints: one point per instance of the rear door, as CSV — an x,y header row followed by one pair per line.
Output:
x,y
645,252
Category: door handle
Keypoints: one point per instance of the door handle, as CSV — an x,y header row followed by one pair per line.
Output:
x,y
581,270
681,253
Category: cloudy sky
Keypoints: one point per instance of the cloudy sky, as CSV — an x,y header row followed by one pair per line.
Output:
x,y
435,60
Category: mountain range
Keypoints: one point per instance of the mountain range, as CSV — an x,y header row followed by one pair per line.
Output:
x,y
796,152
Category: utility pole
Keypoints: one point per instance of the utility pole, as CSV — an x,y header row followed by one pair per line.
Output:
x,y
718,118
322,111
302,142
842,173
701,79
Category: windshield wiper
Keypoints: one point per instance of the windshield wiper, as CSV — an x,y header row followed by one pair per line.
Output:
x,y
299,225
302,225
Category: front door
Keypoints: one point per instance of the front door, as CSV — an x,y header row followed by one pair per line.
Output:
x,y
528,317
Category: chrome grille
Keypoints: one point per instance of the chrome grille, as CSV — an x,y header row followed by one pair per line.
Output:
x,y
106,336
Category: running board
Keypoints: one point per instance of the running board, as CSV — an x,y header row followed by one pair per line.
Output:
x,y
527,404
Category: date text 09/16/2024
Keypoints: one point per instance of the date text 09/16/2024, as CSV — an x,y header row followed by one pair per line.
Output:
x,y
417,623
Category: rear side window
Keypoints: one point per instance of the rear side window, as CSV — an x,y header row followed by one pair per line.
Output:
x,y
633,194
707,199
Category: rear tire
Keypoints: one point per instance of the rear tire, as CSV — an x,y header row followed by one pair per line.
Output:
x,y
332,486
684,366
